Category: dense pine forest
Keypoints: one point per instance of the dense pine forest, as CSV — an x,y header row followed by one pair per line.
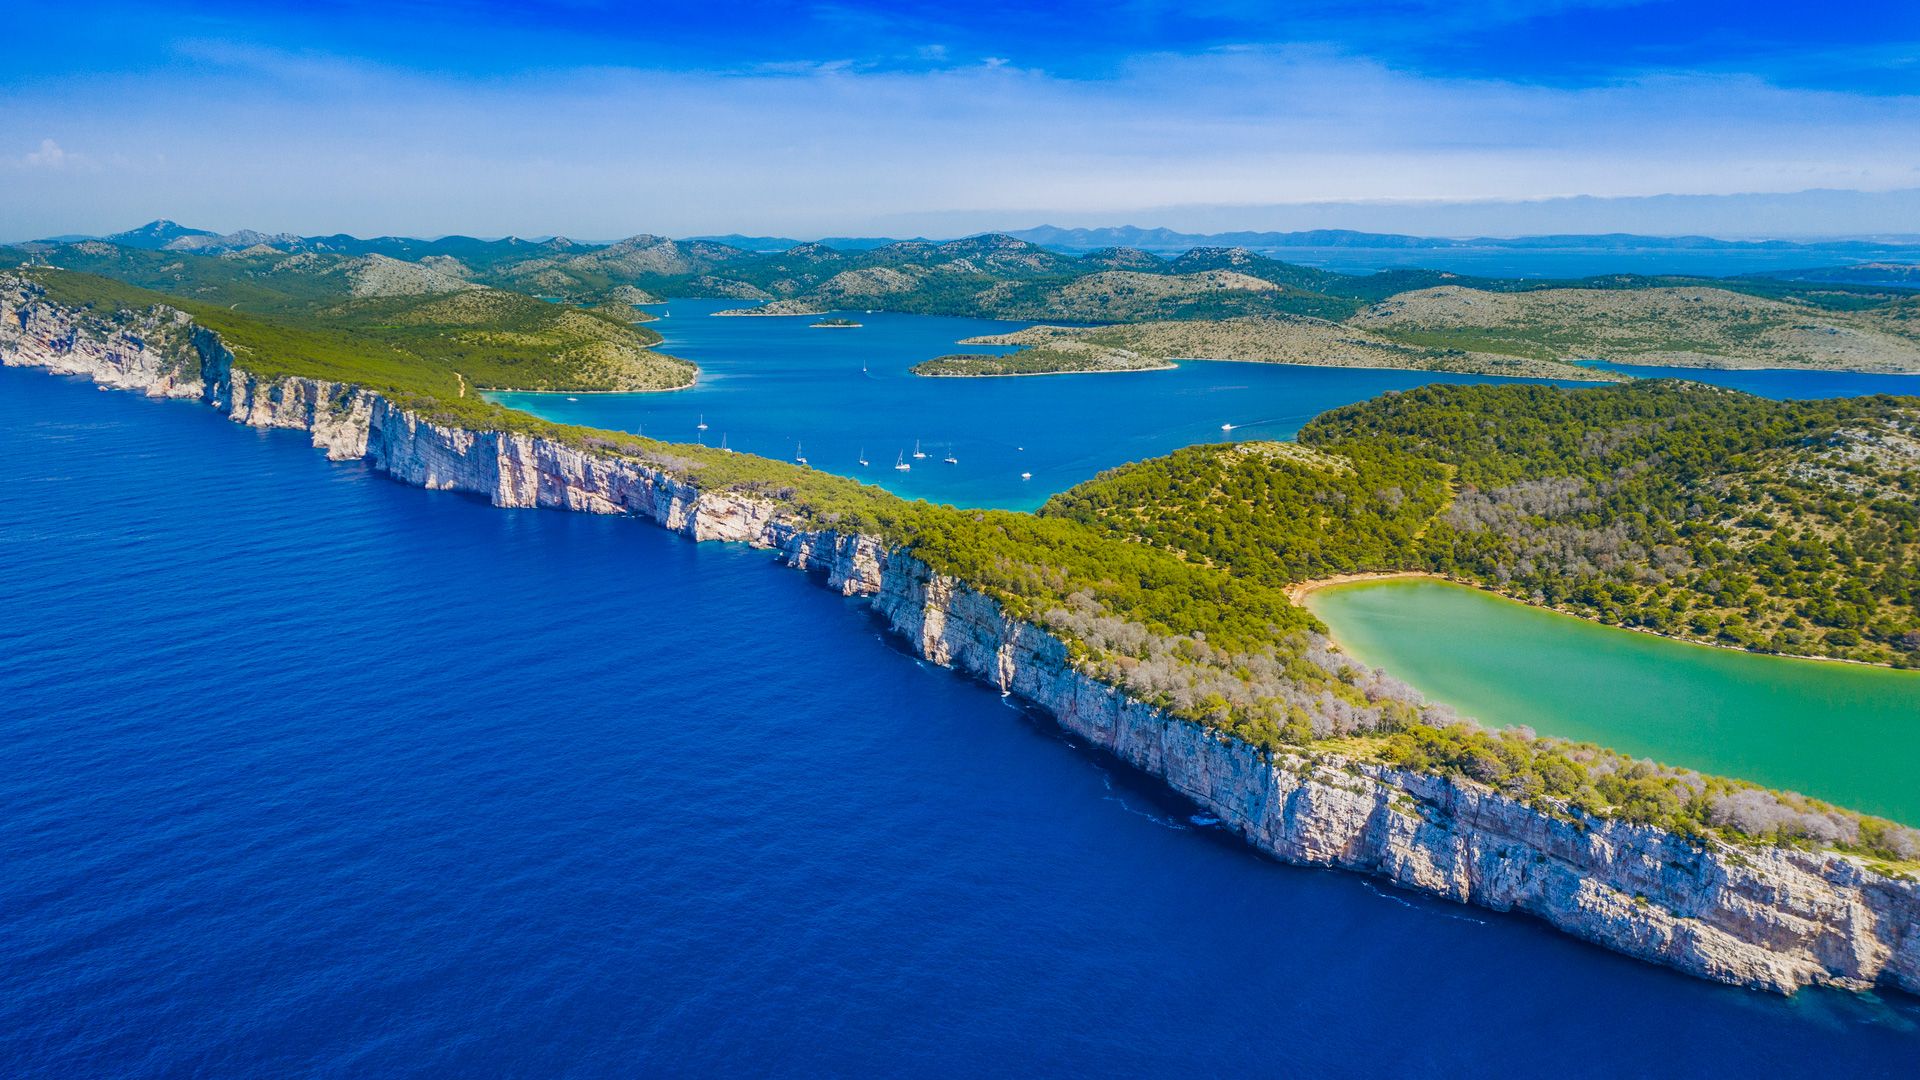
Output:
x,y
1702,513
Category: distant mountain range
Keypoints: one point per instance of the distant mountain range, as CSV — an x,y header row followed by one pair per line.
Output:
x,y
1167,240
153,236
1124,273
164,235
787,243
1170,242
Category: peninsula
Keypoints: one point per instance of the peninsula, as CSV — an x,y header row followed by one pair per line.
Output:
x,y
1174,655
1264,339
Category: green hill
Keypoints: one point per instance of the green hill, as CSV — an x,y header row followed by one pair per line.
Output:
x,y
1707,514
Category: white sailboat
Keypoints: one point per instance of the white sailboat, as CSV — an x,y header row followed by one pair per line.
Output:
x,y
724,448
702,425
950,459
863,457
900,463
799,453
917,452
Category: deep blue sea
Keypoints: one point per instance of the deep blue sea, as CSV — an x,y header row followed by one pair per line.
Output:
x,y
308,773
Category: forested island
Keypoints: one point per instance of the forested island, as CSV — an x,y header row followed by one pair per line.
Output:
x,y
1067,357
772,309
1700,513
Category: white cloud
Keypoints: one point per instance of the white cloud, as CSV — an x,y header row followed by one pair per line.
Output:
x,y
49,156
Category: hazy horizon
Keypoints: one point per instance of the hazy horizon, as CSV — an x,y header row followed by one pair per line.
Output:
x,y
1662,216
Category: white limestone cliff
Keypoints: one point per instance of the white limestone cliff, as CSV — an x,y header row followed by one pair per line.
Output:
x,y
1770,918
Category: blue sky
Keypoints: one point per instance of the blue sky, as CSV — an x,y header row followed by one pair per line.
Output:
x,y
599,119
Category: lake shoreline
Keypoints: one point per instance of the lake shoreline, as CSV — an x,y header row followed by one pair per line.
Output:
x,y
1841,734
1298,592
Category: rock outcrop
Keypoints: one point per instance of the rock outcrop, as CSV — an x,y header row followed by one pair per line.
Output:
x,y
1773,918
151,352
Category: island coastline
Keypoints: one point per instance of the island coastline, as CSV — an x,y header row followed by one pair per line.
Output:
x,y
953,625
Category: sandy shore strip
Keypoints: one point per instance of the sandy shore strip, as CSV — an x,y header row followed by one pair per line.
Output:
x,y
1297,592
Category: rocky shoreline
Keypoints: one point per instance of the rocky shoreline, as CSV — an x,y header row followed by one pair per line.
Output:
x,y
1769,918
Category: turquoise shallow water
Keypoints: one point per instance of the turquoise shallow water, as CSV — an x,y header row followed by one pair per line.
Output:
x,y
777,387
1844,732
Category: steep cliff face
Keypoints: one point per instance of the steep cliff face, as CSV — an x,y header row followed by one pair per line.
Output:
x,y
1772,918
150,352
339,416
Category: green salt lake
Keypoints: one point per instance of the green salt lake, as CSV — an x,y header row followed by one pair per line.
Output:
x,y
1847,733
778,387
